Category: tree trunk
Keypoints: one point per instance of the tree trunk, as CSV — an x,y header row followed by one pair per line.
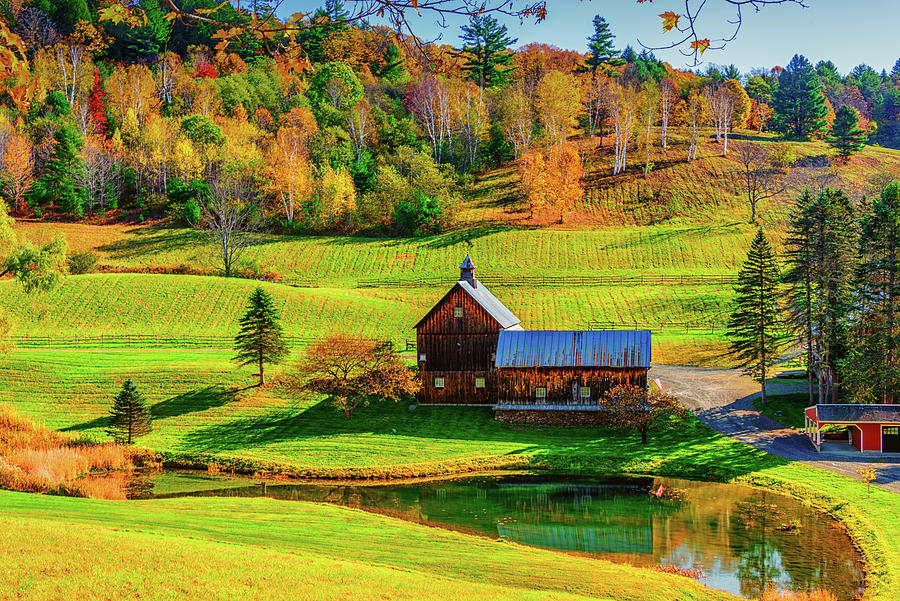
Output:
x,y
262,373
643,435
347,413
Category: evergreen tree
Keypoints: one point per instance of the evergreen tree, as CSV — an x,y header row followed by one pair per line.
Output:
x,y
130,415
60,173
798,101
486,43
821,257
872,369
600,44
261,339
846,137
755,324
895,72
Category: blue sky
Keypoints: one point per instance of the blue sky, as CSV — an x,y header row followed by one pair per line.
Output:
x,y
847,32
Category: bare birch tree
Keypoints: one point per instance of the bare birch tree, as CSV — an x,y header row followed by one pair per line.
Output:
x,y
597,98
721,104
70,56
694,116
429,102
649,101
623,122
359,126
517,119
667,98
96,177
757,175
470,117
230,217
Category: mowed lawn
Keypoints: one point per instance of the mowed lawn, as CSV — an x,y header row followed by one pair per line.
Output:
x,y
286,550
201,409
499,251
176,305
203,405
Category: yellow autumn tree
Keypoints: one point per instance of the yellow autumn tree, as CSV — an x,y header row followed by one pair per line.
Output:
x,y
337,199
551,179
18,169
288,160
558,105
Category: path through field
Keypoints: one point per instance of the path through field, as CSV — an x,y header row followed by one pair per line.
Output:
x,y
722,398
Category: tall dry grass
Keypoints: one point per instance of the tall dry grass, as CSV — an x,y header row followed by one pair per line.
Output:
x,y
34,458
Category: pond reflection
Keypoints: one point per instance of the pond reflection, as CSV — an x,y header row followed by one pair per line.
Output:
x,y
742,539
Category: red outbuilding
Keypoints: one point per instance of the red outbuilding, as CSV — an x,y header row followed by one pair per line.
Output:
x,y
871,428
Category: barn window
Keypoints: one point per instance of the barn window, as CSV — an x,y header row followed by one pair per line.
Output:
x,y
421,356
479,382
585,392
439,382
891,431
540,392
457,311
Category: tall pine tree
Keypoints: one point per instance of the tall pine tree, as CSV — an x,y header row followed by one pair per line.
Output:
x,y
798,101
486,48
600,44
260,339
130,415
755,326
821,258
846,136
872,368
58,183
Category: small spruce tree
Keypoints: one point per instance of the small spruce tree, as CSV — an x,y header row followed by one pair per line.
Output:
x,y
261,339
755,325
130,415
846,136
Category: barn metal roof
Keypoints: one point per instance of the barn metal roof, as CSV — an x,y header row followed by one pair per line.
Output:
x,y
609,348
489,303
858,413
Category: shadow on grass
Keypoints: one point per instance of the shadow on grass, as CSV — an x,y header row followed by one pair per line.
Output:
x,y
149,241
690,450
194,401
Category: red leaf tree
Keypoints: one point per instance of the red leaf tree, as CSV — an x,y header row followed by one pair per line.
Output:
x,y
97,105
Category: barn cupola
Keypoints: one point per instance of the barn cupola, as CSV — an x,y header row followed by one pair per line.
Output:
x,y
467,272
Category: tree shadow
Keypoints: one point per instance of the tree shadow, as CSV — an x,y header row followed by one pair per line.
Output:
x,y
692,450
194,401
153,240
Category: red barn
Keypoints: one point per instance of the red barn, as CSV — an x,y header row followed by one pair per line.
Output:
x,y
872,428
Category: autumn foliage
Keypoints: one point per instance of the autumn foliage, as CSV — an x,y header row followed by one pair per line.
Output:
x,y
34,458
353,372
551,178
97,105
636,408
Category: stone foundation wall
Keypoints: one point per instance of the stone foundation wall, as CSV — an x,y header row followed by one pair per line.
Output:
x,y
552,418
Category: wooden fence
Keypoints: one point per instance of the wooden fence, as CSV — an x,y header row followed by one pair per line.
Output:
x,y
709,327
150,341
566,281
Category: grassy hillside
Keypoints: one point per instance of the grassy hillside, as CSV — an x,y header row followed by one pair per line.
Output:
x,y
172,305
288,550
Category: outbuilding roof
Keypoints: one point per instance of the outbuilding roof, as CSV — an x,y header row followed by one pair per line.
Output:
x,y
858,413
606,348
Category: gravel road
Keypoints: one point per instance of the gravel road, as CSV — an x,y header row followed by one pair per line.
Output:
x,y
721,398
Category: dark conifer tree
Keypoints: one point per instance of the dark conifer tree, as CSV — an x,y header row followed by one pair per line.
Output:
x,y
58,180
821,259
600,44
872,369
846,136
130,415
895,72
486,48
260,339
798,101
755,326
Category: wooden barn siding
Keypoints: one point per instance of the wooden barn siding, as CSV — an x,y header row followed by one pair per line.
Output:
x,y
459,388
475,320
517,384
459,349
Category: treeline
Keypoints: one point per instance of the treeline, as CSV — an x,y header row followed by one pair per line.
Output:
x,y
354,128
837,298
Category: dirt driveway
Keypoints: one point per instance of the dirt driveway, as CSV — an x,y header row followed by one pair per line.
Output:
x,y
721,398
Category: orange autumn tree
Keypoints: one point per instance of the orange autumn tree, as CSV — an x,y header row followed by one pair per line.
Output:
x,y
551,178
18,168
289,165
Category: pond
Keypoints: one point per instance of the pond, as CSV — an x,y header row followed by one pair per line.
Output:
x,y
741,539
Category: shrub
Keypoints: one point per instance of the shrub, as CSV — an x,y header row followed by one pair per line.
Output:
x,y
419,216
82,262
782,156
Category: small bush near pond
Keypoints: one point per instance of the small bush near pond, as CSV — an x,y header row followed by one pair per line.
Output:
x,y
82,262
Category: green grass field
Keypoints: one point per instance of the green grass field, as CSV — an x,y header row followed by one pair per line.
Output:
x,y
173,305
286,550
199,414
